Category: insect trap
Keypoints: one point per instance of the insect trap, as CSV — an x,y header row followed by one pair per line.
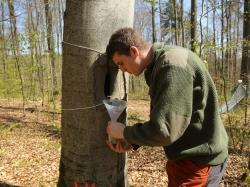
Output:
x,y
114,107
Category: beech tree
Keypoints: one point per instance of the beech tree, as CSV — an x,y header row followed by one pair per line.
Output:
x,y
87,79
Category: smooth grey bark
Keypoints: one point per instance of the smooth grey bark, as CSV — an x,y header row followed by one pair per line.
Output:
x,y
87,79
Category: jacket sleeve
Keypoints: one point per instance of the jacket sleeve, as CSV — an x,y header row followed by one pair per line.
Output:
x,y
171,108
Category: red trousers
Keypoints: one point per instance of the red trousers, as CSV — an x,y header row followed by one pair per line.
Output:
x,y
185,173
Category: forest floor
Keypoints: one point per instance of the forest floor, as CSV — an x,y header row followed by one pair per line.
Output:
x,y
30,150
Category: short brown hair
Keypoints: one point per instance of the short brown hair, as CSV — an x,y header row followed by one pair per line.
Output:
x,y
122,40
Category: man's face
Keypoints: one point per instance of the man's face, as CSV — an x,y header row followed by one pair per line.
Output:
x,y
128,63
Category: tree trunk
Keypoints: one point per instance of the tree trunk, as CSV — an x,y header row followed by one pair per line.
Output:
x,y
3,52
230,54
182,25
85,156
160,19
222,38
15,47
30,31
228,39
38,54
236,26
51,45
201,27
153,22
245,63
214,41
193,25
175,22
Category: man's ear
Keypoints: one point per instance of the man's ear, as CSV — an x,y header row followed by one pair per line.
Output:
x,y
134,51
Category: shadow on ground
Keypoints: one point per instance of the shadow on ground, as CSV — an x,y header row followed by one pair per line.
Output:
x,y
11,123
2,184
30,109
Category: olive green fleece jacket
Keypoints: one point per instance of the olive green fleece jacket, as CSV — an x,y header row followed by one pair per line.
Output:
x,y
184,115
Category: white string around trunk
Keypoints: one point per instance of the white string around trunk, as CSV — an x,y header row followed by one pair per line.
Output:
x,y
84,108
89,49
83,47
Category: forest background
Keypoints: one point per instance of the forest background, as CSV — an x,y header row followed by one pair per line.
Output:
x,y
31,35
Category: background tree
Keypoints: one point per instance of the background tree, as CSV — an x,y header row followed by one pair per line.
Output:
x,y
201,27
3,51
193,23
15,47
167,18
182,25
245,63
24,36
51,46
153,21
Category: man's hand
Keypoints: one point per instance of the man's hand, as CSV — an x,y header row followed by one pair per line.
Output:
x,y
115,130
121,146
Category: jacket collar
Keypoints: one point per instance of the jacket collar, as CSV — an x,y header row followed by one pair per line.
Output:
x,y
156,52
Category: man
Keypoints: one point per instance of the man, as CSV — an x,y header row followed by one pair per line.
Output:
x,y
184,116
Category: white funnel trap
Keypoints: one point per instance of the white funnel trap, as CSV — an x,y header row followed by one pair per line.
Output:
x,y
115,107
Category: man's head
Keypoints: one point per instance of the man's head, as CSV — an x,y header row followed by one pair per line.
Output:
x,y
127,49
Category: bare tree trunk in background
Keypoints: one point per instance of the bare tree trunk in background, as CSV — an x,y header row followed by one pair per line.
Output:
x,y
228,33
222,38
175,22
226,64
60,34
85,155
214,40
160,11
245,63
51,45
230,55
60,12
153,21
40,71
207,27
38,53
193,24
178,18
15,46
2,40
182,26
31,39
57,22
236,26
201,28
